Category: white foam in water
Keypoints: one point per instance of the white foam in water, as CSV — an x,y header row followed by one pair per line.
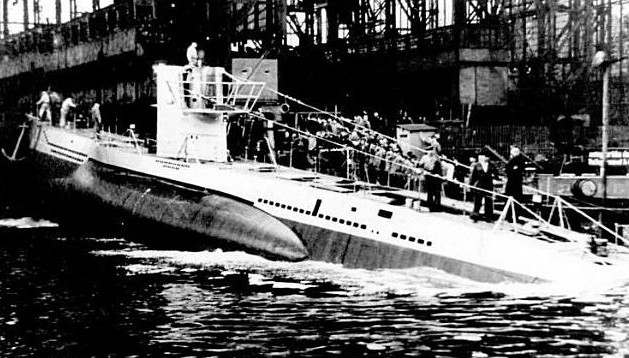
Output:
x,y
415,281
26,223
420,281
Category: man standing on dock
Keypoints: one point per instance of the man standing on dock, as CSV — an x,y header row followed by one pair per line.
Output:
x,y
483,174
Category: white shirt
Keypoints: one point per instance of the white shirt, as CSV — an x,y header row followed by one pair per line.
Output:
x,y
191,54
67,104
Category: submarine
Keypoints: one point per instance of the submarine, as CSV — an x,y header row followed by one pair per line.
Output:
x,y
188,182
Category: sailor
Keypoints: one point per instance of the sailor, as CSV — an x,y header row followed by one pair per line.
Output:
x,y
55,105
66,107
483,174
192,54
432,181
97,120
200,58
433,143
43,104
193,59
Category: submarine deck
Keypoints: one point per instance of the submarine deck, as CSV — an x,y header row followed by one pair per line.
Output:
x,y
453,210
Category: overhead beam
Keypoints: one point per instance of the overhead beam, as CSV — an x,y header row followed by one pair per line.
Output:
x,y
26,16
5,18
58,11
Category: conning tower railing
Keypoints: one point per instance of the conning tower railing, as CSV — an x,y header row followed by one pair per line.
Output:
x,y
223,93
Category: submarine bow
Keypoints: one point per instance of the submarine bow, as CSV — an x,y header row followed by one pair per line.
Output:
x,y
211,215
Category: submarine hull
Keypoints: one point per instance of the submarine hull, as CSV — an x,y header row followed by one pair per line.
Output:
x,y
213,220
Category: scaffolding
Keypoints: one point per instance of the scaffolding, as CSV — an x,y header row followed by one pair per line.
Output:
x,y
550,43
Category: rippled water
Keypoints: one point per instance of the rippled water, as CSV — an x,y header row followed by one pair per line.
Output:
x,y
65,295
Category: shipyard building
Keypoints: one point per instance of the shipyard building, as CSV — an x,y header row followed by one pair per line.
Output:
x,y
519,66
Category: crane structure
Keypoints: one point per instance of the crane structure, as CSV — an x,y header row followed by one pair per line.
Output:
x,y
445,59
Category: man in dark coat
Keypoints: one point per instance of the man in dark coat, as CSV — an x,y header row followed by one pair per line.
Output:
x,y
515,170
432,181
483,174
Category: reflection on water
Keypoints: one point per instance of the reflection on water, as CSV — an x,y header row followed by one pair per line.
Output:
x,y
66,295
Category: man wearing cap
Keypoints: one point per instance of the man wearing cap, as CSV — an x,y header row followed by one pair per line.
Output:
x,y
433,143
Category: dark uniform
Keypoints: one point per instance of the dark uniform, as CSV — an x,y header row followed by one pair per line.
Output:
x,y
483,179
515,171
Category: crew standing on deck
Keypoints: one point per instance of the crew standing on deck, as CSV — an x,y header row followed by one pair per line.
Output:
x,y
43,111
483,175
97,120
192,55
67,107
515,171
432,180
433,143
55,106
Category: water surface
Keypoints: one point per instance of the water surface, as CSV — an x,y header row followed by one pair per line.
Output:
x,y
81,295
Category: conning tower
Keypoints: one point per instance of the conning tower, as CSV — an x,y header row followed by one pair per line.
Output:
x,y
193,104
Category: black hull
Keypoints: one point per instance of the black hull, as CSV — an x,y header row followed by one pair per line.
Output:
x,y
95,196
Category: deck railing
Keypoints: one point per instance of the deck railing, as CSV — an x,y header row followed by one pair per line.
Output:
x,y
512,206
234,95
